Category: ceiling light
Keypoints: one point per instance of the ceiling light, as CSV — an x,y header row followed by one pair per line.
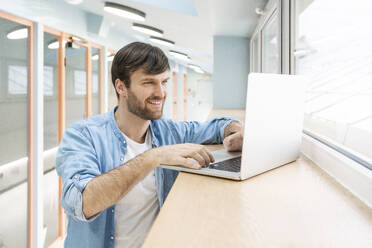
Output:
x,y
95,57
179,55
110,57
161,41
196,68
21,33
75,2
191,66
124,11
259,11
147,29
55,44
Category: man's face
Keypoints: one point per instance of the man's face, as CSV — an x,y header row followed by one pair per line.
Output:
x,y
146,94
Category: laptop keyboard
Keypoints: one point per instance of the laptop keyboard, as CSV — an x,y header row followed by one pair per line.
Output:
x,y
232,165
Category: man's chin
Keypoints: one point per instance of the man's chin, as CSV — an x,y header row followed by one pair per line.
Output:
x,y
153,116
156,117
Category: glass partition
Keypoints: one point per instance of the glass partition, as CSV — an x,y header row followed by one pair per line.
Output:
x,y
76,87
50,179
14,82
95,81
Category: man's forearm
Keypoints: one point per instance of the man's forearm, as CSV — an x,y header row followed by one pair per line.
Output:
x,y
231,128
105,190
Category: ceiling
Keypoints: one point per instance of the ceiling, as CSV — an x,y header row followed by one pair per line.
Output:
x,y
190,23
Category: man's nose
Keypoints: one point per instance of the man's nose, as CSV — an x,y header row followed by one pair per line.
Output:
x,y
160,90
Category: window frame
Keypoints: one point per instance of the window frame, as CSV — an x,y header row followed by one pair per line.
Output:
x,y
350,169
273,11
270,9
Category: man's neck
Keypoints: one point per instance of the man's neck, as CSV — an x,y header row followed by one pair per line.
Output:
x,y
131,125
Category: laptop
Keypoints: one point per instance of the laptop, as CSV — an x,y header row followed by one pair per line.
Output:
x,y
272,129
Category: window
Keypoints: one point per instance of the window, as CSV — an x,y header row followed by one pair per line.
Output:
x,y
17,80
255,54
80,85
271,45
95,83
335,53
48,80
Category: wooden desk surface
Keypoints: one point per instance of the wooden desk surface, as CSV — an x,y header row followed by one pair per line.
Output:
x,y
297,205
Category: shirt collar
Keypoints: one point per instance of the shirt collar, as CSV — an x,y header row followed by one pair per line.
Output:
x,y
121,137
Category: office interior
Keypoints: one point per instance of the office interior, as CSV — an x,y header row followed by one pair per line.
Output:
x,y
55,60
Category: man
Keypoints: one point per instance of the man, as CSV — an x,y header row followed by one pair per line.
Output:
x,y
113,187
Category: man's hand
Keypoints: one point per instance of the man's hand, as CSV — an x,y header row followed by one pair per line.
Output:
x,y
179,154
234,142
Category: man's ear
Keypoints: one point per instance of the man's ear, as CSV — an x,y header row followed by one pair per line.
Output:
x,y
120,88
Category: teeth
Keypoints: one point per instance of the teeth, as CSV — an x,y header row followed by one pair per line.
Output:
x,y
154,102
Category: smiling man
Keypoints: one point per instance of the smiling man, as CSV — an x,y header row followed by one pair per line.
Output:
x,y
113,186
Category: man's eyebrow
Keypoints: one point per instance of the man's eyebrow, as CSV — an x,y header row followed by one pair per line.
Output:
x,y
152,79
147,79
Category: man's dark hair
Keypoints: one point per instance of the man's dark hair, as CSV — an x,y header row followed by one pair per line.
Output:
x,y
135,56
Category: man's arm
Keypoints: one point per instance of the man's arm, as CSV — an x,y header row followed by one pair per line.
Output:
x,y
105,190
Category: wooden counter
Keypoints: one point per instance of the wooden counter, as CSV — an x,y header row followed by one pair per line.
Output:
x,y
297,205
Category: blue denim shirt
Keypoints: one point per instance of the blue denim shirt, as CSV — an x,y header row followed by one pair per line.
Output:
x,y
96,145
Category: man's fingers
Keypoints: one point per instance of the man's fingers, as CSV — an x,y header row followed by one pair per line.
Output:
x,y
207,158
188,163
210,156
198,157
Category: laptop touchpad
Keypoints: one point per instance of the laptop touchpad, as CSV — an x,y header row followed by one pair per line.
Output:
x,y
222,154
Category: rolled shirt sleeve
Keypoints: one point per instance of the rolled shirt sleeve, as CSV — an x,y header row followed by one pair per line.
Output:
x,y
77,164
210,132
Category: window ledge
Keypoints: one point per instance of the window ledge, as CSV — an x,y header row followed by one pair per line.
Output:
x,y
352,175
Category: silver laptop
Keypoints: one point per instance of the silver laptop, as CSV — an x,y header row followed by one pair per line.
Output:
x,y
272,129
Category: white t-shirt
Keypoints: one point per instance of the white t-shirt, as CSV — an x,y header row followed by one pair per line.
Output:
x,y
136,211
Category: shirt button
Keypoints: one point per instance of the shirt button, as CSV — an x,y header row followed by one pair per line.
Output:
x,y
75,176
121,159
112,210
112,237
124,142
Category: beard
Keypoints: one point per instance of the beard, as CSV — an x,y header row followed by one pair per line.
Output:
x,y
135,107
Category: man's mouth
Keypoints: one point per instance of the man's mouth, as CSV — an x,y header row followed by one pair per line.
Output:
x,y
155,103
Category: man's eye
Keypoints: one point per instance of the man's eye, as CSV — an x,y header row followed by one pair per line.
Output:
x,y
165,82
149,82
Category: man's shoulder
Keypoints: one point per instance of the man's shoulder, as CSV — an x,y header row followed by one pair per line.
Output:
x,y
163,123
96,122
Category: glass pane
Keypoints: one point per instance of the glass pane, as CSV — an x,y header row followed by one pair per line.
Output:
x,y
50,92
270,45
112,98
95,81
335,52
75,84
50,180
13,134
255,54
